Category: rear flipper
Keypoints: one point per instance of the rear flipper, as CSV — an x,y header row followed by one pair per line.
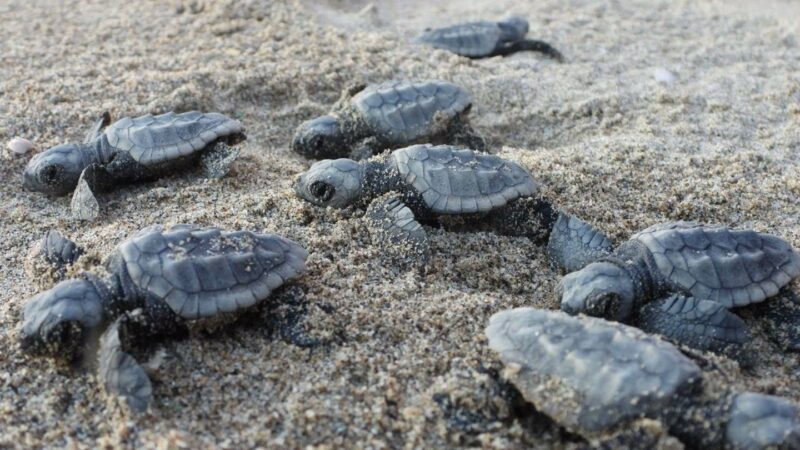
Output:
x,y
119,371
700,324
532,45
394,228
217,159
574,244
93,179
56,252
781,317
762,421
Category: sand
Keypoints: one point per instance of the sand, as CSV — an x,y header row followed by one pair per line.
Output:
x,y
405,363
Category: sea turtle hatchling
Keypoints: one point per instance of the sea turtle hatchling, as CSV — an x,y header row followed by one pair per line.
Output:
x,y
433,183
596,378
158,280
133,149
370,119
484,39
679,279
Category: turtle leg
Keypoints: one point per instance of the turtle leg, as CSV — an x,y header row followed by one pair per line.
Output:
x,y
461,133
94,178
573,243
56,252
532,45
780,316
119,370
394,227
217,159
701,324
364,149
102,122
762,421
347,93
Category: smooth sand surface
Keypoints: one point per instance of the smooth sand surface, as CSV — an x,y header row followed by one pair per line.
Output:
x,y
405,362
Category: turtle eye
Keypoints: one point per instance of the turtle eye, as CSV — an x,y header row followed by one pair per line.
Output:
x,y
322,190
317,142
50,174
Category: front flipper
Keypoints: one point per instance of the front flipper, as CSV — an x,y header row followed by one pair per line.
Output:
x,y
781,316
700,324
364,149
93,179
758,421
135,331
348,94
532,45
461,133
53,255
574,244
119,372
394,228
217,160
97,128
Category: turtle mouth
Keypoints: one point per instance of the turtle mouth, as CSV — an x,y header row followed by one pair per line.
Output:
x,y
321,191
603,306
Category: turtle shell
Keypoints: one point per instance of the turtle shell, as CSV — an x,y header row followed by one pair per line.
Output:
x,y
200,272
589,374
731,267
473,39
403,112
151,140
451,180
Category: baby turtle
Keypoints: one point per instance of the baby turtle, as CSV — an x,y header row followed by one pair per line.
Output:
x,y
679,279
484,39
431,183
159,279
141,148
370,119
596,377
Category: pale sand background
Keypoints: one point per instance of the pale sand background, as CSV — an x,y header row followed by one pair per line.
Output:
x,y
721,144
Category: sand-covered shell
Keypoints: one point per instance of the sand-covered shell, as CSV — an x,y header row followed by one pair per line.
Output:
x,y
589,374
402,112
452,180
200,272
731,267
151,140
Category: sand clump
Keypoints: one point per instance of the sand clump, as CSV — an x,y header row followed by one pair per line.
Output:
x,y
610,143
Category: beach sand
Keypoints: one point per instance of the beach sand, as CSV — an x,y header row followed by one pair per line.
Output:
x,y
405,363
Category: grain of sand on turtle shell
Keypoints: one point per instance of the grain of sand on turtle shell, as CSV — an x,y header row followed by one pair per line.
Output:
x,y
612,144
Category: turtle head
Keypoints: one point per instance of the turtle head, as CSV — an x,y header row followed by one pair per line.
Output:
x,y
331,182
601,289
319,138
55,171
513,28
58,322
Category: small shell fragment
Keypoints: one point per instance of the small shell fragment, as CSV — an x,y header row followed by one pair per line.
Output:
x,y
20,146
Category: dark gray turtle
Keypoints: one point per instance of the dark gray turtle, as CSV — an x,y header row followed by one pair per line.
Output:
x,y
159,279
129,150
596,377
680,279
483,39
370,119
431,183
